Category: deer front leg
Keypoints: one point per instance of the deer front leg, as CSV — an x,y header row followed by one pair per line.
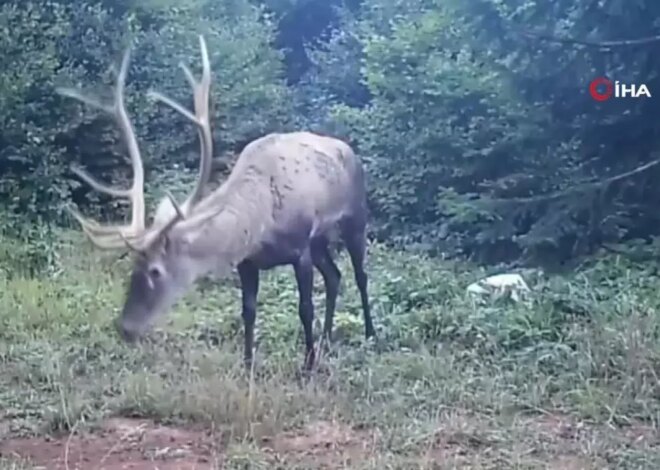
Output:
x,y
304,270
249,276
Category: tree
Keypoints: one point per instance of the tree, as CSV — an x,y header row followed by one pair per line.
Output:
x,y
482,138
43,133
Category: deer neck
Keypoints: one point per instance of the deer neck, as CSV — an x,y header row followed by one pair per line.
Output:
x,y
219,242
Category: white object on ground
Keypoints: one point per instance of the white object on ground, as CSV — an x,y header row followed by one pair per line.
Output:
x,y
500,284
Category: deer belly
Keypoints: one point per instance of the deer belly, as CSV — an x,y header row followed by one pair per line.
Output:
x,y
284,244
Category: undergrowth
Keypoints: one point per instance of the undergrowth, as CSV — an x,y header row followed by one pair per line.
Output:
x,y
451,382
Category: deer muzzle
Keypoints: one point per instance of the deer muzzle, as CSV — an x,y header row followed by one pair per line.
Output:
x,y
128,331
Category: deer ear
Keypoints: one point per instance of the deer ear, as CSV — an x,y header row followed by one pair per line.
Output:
x,y
166,243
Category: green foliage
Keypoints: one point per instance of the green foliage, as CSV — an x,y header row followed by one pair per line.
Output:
x,y
335,75
35,41
32,253
584,349
43,133
442,116
482,140
479,139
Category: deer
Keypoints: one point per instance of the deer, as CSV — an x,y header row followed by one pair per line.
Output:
x,y
287,195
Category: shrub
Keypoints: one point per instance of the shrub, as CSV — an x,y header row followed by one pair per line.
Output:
x,y
42,133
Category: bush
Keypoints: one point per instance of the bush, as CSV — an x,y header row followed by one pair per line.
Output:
x,y
483,141
36,54
443,124
41,139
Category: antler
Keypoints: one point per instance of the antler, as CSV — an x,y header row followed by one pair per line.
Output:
x,y
201,118
115,236
135,235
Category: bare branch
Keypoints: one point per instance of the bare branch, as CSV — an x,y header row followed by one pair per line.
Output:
x,y
606,45
581,187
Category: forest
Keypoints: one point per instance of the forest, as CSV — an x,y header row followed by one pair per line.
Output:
x,y
485,152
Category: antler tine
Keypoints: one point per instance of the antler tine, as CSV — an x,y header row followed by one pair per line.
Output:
x,y
115,236
106,238
100,187
137,225
201,93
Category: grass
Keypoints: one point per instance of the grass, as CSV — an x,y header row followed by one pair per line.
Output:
x,y
568,380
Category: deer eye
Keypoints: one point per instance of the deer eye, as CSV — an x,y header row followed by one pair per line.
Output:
x,y
154,273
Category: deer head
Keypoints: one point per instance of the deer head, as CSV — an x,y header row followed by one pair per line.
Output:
x,y
162,269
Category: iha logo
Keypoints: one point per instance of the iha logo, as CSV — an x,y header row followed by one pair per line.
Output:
x,y
601,89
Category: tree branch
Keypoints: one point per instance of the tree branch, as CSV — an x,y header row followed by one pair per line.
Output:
x,y
578,188
605,45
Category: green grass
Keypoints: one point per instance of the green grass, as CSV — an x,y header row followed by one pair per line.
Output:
x,y
569,380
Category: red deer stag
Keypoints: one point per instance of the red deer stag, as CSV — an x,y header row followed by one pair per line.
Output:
x,y
284,198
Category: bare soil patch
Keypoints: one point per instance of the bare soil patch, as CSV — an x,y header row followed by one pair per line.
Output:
x,y
325,444
138,444
553,442
120,444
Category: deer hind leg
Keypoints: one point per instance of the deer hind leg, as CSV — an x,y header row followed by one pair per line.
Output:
x,y
249,275
304,271
354,235
331,278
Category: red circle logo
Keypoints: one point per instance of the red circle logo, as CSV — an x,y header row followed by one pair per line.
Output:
x,y
596,91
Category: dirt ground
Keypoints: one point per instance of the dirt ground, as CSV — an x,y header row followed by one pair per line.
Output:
x,y
138,444
119,444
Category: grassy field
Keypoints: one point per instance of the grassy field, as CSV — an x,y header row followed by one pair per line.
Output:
x,y
567,381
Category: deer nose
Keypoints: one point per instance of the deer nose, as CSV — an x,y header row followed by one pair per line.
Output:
x,y
127,334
